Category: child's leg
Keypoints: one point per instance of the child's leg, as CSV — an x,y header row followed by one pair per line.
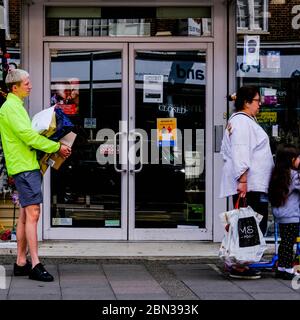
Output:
x,y
288,233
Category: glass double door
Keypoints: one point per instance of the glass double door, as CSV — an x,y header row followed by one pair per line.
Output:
x,y
141,167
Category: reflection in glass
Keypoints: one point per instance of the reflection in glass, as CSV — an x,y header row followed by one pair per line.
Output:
x,y
170,189
87,86
130,21
277,73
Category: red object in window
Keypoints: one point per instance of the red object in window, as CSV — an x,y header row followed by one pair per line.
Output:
x,y
6,235
69,108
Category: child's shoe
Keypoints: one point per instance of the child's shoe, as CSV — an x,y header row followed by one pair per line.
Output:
x,y
286,275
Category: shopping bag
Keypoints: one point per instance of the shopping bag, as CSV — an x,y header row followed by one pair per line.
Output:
x,y
58,128
243,243
44,122
52,127
63,124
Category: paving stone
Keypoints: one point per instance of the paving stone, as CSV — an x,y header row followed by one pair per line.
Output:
x,y
210,286
88,294
83,284
137,282
167,279
141,289
72,268
3,296
224,296
33,291
191,272
262,285
25,282
184,266
34,297
275,296
145,296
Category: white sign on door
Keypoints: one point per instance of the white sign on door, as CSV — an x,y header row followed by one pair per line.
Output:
x,y
251,50
153,88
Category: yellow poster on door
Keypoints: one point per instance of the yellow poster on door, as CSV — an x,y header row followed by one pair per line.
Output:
x,y
166,132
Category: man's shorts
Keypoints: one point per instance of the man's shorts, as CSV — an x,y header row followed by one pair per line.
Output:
x,y
29,187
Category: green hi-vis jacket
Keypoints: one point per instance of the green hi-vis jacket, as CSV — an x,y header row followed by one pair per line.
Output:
x,y
18,138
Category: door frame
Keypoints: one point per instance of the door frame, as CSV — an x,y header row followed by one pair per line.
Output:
x,y
127,231
175,234
87,233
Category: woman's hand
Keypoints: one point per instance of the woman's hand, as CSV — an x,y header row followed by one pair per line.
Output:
x,y
242,189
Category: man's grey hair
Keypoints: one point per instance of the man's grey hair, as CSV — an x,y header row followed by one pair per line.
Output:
x,y
16,75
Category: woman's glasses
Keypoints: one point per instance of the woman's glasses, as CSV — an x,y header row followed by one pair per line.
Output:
x,y
258,100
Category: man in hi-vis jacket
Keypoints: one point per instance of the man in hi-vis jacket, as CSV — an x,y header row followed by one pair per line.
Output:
x,y
19,143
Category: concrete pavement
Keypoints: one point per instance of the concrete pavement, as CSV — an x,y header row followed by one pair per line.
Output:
x,y
143,279
116,270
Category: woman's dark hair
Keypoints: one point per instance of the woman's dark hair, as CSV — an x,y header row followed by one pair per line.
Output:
x,y
281,175
245,94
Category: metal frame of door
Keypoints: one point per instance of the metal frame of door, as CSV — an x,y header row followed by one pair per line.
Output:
x,y
174,233
88,233
127,230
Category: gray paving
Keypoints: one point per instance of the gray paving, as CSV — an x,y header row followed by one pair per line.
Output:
x,y
144,279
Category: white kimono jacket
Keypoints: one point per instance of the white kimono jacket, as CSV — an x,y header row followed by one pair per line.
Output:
x,y
245,146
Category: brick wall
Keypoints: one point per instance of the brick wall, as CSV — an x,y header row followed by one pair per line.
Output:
x,y
14,23
280,22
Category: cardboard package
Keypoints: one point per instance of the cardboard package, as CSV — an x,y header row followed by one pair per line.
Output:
x,y
54,160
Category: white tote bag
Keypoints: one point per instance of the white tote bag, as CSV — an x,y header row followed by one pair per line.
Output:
x,y
243,243
41,121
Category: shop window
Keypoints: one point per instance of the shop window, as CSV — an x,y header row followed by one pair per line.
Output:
x,y
4,21
270,60
68,27
89,27
129,27
128,21
252,15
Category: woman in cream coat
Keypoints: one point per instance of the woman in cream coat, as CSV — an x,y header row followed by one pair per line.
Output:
x,y
248,160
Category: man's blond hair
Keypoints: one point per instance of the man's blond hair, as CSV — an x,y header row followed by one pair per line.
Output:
x,y
15,77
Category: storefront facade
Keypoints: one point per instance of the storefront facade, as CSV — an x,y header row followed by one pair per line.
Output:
x,y
140,84
146,85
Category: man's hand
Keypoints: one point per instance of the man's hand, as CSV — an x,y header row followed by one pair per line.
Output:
x,y
64,151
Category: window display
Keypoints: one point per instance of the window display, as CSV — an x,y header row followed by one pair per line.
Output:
x,y
272,64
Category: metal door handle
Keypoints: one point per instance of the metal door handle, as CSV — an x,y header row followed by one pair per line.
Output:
x,y
141,152
115,153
